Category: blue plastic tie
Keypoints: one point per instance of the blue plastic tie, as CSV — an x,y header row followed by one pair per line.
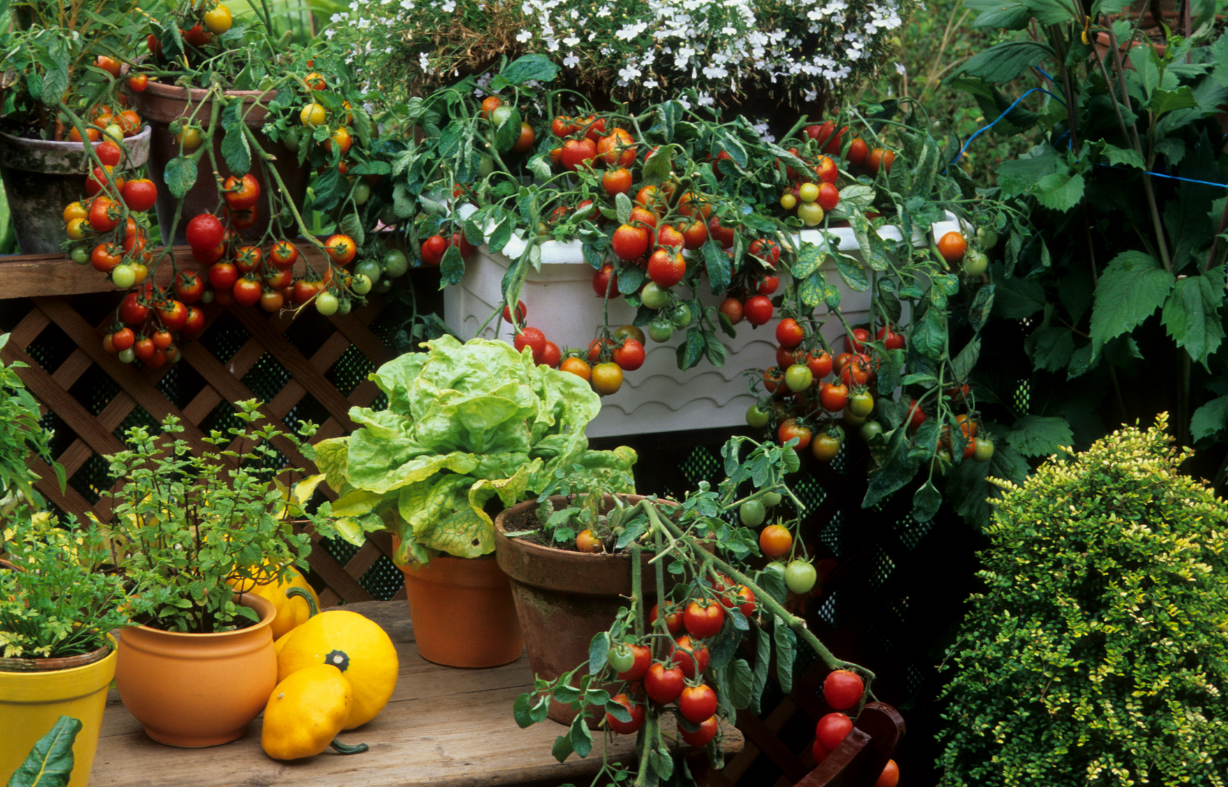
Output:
x,y
983,129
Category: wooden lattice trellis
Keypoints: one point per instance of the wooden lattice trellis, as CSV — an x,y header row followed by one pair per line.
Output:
x,y
50,282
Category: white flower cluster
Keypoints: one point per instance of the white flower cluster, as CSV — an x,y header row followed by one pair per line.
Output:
x,y
714,46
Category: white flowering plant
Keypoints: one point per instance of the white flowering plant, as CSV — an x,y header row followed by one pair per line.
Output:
x,y
638,52
703,225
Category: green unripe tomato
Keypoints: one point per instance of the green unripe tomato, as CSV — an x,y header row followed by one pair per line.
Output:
x,y
80,255
123,276
115,133
500,115
362,192
382,286
389,216
771,499
798,377
811,213
752,513
852,418
986,237
486,165
621,657
660,330
395,263
983,449
127,356
290,141
682,316
345,306
327,304
871,430
776,567
757,416
654,297
369,268
361,284
975,262
800,576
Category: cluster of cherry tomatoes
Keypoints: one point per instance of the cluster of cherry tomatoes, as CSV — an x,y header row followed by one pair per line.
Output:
x,y
601,365
205,20
843,690
676,675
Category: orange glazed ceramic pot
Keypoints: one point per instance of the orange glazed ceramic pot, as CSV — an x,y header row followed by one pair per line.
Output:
x,y
196,690
463,613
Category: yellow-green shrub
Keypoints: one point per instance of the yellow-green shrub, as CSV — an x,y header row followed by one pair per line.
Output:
x,y
1098,654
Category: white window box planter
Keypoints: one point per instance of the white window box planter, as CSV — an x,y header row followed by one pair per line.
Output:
x,y
657,397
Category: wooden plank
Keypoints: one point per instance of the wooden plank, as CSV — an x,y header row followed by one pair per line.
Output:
x,y
41,275
764,736
298,366
443,727
360,335
26,331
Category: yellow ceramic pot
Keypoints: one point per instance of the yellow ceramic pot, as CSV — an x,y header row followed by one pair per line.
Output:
x,y
31,702
196,690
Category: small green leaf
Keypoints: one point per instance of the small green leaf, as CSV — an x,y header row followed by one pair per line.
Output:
x,y
1004,62
452,267
180,176
1210,419
786,652
581,737
530,68
740,684
562,748
598,652
521,710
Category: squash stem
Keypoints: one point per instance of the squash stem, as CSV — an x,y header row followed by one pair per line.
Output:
x,y
345,748
311,603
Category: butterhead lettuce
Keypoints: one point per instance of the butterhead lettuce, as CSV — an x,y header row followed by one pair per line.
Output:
x,y
464,423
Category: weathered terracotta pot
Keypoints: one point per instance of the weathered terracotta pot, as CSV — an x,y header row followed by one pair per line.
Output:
x,y
196,690
161,105
33,697
563,598
42,177
463,613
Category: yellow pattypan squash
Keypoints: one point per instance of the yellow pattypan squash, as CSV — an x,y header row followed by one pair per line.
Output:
x,y
353,644
305,712
292,611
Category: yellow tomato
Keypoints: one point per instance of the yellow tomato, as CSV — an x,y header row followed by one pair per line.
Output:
x,y
218,19
312,115
75,211
78,228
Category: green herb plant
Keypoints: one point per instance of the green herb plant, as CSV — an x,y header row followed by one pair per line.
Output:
x,y
704,549
464,423
21,437
188,527
1098,652
59,601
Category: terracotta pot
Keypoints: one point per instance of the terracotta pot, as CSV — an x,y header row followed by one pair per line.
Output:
x,y
32,701
161,105
42,177
563,598
463,613
196,690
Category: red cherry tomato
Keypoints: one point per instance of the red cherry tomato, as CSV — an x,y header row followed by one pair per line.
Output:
x,y
842,689
697,703
831,729
703,619
637,716
663,685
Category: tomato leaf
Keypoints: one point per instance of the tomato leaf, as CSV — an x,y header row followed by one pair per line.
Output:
x,y
897,469
180,176
929,337
963,364
660,760
759,674
618,711
235,149
1130,289
657,167
50,762
982,305
713,349
452,267
566,693
690,351
634,530
786,651
812,289
809,258
873,250
740,683
351,224
598,652
851,271
718,266
926,502
630,278
774,584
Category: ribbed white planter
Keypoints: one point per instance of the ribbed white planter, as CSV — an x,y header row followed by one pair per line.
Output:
x,y
657,397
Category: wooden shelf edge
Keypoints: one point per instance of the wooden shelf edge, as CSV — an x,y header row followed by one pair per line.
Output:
x,y
41,275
